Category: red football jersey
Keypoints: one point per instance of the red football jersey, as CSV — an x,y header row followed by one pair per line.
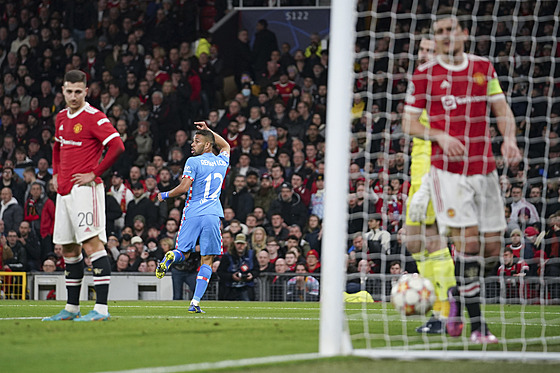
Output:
x,y
285,90
82,136
456,99
513,269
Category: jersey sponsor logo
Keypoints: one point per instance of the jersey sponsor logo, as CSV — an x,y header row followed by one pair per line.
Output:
x,y
450,102
219,162
445,84
479,78
63,141
78,128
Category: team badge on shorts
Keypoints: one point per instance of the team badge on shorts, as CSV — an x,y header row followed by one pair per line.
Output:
x,y
451,213
77,128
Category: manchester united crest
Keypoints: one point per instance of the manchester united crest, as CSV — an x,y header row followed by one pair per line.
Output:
x,y
479,78
451,213
77,128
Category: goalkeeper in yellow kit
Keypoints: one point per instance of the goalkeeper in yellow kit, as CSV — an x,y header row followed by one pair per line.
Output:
x,y
428,247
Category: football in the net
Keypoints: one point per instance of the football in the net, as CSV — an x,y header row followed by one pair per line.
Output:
x,y
413,295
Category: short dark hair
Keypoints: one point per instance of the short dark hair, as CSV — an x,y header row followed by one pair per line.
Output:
x,y
208,135
463,18
508,249
75,76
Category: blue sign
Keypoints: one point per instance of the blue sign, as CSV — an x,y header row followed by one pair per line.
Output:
x,y
291,25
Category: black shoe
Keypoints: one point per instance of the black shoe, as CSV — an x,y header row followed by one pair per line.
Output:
x,y
433,326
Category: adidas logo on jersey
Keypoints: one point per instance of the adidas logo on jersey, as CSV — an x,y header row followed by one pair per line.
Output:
x,y
445,84
61,127
87,230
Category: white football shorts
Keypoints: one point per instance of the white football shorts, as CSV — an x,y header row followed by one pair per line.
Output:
x,y
80,215
466,201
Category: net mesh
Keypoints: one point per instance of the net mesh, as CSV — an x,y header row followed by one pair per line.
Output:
x,y
521,41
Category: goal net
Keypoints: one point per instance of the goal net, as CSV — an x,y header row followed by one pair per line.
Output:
x,y
370,67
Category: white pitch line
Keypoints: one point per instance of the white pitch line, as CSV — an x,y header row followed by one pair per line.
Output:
x,y
223,364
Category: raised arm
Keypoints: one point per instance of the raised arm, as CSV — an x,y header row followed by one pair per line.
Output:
x,y
220,141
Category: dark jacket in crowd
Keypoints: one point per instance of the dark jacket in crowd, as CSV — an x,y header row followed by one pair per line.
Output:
x,y
293,211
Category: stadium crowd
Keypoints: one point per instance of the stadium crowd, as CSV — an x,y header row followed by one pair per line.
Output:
x,y
153,72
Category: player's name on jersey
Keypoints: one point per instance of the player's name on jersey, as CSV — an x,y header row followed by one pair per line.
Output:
x,y
219,162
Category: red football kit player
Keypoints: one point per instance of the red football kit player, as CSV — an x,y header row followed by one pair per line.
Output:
x,y
82,132
457,89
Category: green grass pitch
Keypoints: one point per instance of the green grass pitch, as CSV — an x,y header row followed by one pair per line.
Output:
x,y
150,334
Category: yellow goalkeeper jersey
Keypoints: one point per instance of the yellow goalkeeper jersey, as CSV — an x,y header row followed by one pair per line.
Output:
x,y
421,153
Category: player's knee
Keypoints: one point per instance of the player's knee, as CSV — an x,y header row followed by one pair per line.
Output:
x,y
472,247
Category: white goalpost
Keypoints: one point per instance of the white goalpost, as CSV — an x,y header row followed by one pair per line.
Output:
x,y
332,337
376,330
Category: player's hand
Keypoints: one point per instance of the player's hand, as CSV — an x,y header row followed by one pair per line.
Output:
x,y
452,147
83,179
201,125
511,153
55,182
159,197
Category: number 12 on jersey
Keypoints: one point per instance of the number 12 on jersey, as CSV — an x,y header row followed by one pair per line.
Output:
x,y
208,180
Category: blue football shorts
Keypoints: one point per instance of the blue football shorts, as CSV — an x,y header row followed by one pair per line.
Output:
x,y
205,229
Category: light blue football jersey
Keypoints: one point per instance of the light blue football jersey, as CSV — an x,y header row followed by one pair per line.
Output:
x,y
208,172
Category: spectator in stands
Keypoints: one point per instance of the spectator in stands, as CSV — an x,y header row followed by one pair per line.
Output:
x,y
264,262
301,189
258,238
10,211
112,246
11,181
139,227
277,287
313,232
274,250
30,241
512,267
266,193
122,263
141,205
265,42
277,228
289,206
313,261
18,262
240,199
302,288
519,203
238,269
48,266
